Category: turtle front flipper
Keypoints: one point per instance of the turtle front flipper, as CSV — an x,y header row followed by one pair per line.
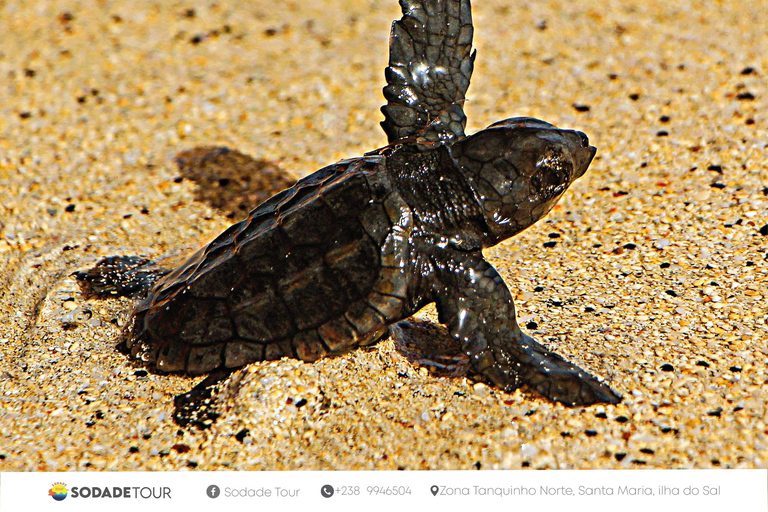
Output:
x,y
430,64
475,304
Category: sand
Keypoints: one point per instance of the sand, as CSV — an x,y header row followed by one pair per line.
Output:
x,y
652,272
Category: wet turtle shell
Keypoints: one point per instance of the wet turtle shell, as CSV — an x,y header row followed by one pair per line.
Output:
x,y
300,277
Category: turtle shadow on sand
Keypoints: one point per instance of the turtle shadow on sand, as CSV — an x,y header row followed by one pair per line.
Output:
x,y
230,181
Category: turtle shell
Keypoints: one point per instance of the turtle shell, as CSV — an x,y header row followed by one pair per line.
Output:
x,y
296,278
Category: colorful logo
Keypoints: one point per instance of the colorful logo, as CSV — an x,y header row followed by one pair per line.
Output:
x,y
58,491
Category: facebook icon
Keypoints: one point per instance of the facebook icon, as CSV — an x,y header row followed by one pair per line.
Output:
x,y
213,491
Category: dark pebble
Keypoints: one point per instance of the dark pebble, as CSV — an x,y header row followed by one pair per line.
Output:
x,y
662,133
666,367
181,448
197,39
702,363
748,70
716,168
738,408
590,432
648,451
664,119
25,115
621,419
133,449
619,456
716,412
764,230
539,289
554,235
735,369
532,325
581,108
717,184
665,265
301,402
69,208
671,293
549,245
589,309
634,97
601,415
630,246
240,436
745,96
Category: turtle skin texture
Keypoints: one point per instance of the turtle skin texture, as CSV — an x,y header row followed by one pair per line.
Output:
x,y
330,263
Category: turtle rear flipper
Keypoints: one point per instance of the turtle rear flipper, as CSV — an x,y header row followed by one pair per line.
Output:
x,y
430,64
121,276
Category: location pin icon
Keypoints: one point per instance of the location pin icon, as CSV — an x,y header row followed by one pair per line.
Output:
x,y
434,490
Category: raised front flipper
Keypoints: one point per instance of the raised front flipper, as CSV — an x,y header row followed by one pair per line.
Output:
x,y
430,64
475,304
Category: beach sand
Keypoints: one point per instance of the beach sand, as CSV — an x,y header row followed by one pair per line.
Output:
x,y
651,272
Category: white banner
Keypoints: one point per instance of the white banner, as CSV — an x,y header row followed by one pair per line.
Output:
x,y
337,491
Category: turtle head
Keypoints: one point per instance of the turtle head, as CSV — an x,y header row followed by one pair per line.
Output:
x,y
519,168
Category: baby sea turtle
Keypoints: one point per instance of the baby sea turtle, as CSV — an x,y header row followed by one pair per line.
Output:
x,y
330,263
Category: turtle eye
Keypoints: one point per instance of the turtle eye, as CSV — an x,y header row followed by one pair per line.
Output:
x,y
554,163
552,175
584,139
